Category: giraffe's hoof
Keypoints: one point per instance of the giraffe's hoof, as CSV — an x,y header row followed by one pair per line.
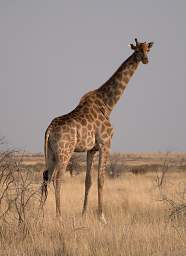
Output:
x,y
102,219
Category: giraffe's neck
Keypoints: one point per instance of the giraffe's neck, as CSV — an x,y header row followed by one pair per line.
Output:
x,y
111,91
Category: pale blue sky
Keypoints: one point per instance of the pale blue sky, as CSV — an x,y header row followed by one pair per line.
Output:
x,y
52,52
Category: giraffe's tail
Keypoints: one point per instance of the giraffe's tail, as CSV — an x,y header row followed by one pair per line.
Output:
x,y
44,191
46,146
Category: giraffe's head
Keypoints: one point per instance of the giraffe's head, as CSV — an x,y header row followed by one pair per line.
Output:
x,y
141,50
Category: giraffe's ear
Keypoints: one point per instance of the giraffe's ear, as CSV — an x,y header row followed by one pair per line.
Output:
x,y
150,44
132,46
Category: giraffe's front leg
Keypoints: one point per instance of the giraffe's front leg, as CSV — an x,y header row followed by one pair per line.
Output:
x,y
103,158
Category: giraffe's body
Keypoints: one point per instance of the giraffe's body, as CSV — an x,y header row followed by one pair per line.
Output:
x,y
83,128
87,128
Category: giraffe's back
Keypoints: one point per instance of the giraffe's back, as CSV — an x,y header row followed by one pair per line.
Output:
x,y
80,126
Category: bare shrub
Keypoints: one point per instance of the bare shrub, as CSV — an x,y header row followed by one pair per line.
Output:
x,y
6,181
17,192
116,166
138,170
114,169
176,201
76,164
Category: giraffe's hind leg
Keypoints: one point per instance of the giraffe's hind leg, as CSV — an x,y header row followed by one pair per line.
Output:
x,y
63,156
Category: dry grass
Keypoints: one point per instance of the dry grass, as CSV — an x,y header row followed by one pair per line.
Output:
x,y
138,223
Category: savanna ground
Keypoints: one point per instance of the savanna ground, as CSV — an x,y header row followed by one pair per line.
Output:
x,y
145,214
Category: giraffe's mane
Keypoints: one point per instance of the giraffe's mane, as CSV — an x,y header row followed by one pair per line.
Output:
x,y
84,97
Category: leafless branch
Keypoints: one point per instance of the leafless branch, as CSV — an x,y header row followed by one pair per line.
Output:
x,y
17,192
176,204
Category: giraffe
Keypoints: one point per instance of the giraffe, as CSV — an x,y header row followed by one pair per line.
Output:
x,y
88,129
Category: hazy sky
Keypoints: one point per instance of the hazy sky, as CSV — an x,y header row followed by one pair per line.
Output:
x,y
52,52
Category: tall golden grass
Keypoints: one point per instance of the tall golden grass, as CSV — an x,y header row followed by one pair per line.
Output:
x,y
138,223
